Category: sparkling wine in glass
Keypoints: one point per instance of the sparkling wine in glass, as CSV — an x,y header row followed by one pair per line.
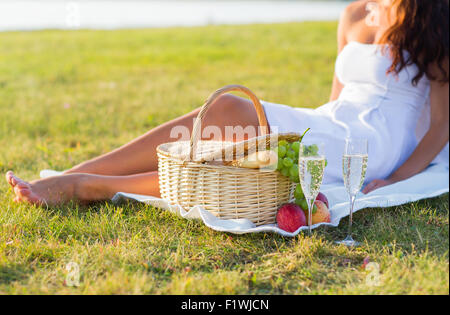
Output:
x,y
311,166
354,166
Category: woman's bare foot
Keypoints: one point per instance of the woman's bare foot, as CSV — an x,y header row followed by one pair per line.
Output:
x,y
56,190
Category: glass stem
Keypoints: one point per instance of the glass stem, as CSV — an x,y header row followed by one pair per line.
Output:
x,y
350,221
310,210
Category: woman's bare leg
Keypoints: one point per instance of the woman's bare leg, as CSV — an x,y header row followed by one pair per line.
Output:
x,y
81,187
132,167
139,156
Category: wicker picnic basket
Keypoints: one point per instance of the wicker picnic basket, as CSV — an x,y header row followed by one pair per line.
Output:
x,y
188,175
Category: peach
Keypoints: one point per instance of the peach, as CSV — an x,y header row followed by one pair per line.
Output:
x,y
323,198
322,214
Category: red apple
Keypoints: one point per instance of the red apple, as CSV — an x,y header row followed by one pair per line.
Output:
x,y
290,217
323,198
322,214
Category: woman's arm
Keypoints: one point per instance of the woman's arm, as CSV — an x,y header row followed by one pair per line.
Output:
x,y
344,22
430,145
336,89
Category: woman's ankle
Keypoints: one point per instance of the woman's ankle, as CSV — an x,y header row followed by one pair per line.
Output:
x,y
90,187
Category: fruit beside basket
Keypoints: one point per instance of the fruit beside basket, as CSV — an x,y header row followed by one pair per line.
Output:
x,y
293,215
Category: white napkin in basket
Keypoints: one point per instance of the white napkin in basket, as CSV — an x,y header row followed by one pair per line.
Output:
x,y
432,182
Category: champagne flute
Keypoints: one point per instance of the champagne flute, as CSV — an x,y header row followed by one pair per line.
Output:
x,y
311,166
354,166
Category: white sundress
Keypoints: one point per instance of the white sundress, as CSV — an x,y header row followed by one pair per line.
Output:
x,y
388,110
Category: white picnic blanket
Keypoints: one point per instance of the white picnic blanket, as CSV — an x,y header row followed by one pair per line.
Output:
x,y
432,182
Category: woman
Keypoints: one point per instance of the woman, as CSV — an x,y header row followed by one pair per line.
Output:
x,y
393,65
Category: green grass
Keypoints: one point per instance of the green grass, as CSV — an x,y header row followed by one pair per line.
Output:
x,y
68,96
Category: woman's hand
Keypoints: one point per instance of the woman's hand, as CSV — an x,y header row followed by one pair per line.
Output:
x,y
377,183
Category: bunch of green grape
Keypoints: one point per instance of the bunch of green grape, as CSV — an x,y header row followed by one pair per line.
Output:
x,y
288,159
288,154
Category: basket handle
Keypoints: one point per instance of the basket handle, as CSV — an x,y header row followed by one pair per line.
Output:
x,y
196,132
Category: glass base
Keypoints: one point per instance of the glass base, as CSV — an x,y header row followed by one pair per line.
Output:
x,y
349,242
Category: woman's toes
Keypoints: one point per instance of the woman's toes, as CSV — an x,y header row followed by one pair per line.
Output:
x,y
16,181
24,191
10,178
21,186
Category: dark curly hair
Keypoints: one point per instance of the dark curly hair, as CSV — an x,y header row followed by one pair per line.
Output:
x,y
421,27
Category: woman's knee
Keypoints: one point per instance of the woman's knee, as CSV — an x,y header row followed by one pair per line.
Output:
x,y
232,109
227,103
